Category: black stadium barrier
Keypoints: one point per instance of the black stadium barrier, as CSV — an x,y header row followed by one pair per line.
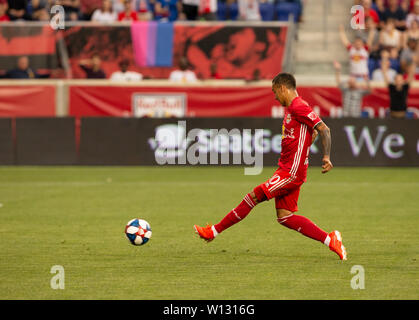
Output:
x,y
110,141
145,141
7,156
45,141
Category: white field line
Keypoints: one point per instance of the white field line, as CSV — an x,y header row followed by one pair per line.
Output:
x,y
187,183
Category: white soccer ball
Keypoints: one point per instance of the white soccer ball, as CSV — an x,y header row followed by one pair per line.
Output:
x,y
138,231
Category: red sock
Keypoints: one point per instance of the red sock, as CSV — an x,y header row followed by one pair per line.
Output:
x,y
236,214
305,226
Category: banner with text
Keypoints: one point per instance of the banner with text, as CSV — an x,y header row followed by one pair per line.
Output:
x,y
239,141
200,101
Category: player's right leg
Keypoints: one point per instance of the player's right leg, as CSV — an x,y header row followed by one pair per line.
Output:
x,y
259,194
237,214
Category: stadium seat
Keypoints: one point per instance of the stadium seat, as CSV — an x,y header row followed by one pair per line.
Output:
x,y
234,11
410,115
267,11
221,11
365,115
284,9
227,12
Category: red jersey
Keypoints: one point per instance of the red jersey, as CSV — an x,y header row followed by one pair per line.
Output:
x,y
124,17
297,131
4,17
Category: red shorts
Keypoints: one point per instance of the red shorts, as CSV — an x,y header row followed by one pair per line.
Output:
x,y
284,188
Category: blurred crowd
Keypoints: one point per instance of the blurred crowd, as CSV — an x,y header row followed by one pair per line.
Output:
x,y
385,50
388,41
146,10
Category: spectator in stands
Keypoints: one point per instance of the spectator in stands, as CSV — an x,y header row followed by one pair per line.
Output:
x,y
408,54
23,70
118,6
174,6
144,10
390,37
413,31
413,16
105,14
128,14
124,75
407,5
161,9
380,8
395,12
249,10
71,9
208,9
394,59
352,93
17,10
399,91
38,10
183,74
92,67
3,11
358,55
370,12
190,9
371,36
88,7
378,74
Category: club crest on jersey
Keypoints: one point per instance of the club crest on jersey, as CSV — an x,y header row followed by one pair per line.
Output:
x,y
288,118
288,133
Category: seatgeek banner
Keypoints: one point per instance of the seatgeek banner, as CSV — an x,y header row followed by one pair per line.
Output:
x,y
249,142
213,101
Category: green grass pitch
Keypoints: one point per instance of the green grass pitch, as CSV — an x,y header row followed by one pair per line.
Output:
x,y
75,217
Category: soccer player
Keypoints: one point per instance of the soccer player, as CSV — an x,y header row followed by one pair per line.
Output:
x,y
300,127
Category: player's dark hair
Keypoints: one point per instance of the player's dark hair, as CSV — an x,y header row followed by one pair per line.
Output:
x,y
285,79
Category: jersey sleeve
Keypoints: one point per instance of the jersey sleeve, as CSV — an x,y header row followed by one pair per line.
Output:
x,y
304,114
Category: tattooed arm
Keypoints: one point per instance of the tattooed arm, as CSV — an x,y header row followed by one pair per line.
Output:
x,y
314,136
326,139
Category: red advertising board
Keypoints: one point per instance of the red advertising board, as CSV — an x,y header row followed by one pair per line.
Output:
x,y
27,101
243,101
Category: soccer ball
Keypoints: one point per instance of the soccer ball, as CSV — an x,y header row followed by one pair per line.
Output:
x,y
138,232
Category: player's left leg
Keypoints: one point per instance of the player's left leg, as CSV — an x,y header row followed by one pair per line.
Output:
x,y
286,206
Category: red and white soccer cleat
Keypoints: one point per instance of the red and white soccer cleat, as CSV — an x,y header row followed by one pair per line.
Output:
x,y
336,244
205,233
